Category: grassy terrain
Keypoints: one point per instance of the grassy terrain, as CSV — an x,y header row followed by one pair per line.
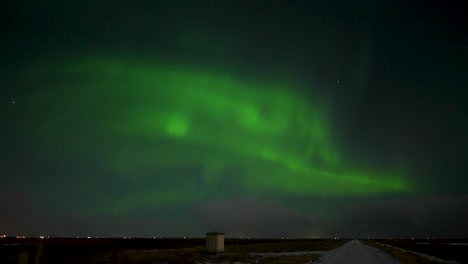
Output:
x,y
287,246
436,248
236,251
403,257
197,255
246,258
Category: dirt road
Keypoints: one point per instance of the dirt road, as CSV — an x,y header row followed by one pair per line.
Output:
x,y
356,252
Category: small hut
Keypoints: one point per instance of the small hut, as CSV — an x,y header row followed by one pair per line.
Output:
x,y
214,242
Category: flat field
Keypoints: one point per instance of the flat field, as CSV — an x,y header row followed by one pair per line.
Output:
x,y
174,251
455,250
192,250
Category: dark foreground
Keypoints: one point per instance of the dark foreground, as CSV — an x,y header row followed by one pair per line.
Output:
x,y
159,250
192,250
447,249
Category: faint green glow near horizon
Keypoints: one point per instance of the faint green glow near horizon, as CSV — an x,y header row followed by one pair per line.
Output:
x,y
277,140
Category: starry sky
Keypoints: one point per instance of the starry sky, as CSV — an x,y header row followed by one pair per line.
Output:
x,y
256,118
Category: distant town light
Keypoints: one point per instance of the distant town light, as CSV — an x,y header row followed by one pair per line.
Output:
x,y
41,237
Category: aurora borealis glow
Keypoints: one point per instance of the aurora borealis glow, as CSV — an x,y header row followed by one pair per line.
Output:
x,y
173,123
266,131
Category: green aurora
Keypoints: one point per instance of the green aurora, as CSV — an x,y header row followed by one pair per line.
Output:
x,y
252,118
135,116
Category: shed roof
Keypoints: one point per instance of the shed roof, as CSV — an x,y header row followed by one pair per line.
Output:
x,y
214,233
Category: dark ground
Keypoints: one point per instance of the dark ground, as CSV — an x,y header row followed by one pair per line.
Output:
x,y
73,250
434,247
82,250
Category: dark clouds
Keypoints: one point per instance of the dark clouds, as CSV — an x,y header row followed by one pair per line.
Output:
x,y
426,216
251,217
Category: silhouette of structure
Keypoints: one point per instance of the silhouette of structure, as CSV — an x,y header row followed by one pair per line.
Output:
x,y
215,242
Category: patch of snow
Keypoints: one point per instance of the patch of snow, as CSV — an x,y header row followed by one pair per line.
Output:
x,y
458,244
422,255
356,252
277,254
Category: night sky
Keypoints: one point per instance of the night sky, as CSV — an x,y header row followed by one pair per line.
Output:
x,y
254,118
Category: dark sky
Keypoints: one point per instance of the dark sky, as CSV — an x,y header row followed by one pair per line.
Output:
x,y
256,118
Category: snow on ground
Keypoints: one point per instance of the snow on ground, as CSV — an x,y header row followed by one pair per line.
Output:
x,y
453,244
457,244
356,252
278,254
350,253
353,252
422,255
